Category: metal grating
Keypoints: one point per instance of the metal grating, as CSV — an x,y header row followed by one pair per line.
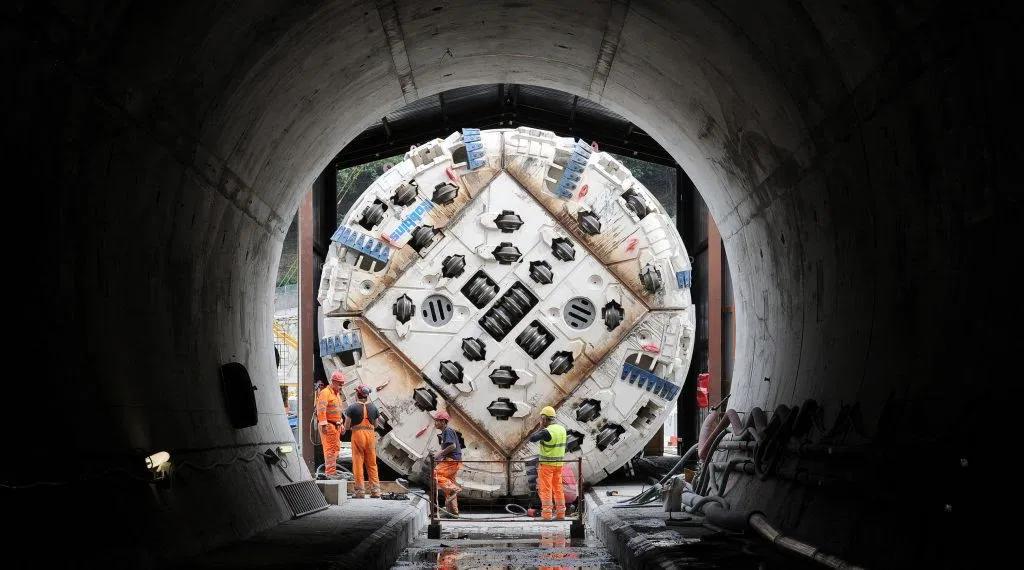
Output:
x,y
549,99
426,105
304,497
437,310
579,313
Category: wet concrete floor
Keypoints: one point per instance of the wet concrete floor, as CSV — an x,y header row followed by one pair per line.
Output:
x,y
513,544
524,543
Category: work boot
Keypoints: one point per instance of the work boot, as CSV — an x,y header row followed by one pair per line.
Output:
x,y
443,514
359,493
375,492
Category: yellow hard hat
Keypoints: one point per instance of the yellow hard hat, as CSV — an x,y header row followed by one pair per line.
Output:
x,y
547,411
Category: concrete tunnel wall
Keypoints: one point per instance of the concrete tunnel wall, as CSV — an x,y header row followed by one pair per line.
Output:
x,y
845,151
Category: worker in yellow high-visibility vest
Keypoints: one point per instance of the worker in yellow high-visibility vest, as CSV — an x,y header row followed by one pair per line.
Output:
x,y
551,437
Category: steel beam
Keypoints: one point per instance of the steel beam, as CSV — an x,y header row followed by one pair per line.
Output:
x,y
307,326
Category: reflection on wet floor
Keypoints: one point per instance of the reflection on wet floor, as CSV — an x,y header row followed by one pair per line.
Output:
x,y
528,544
464,550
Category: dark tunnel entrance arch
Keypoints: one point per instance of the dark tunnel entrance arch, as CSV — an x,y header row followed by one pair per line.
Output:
x,y
188,136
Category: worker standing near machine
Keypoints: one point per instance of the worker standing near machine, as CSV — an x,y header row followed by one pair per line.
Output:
x,y
329,404
361,418
551,437
448,461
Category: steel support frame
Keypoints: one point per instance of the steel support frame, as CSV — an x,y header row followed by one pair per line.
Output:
x,y
307,316
577,528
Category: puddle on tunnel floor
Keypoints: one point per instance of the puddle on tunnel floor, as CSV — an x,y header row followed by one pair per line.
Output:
x,y
504,550
531,546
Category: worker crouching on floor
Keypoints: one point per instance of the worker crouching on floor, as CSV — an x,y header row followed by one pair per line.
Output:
x,y
549,465
361,418
448,462
329,404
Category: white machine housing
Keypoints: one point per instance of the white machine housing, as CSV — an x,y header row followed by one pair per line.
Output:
x,y
496,272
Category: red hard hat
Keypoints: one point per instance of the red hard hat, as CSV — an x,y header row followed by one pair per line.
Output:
x,y
363,389
442,416
338,376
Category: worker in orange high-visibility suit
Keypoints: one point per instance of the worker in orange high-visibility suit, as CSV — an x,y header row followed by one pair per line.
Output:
x,y
448,463
551,437
361,418
329,404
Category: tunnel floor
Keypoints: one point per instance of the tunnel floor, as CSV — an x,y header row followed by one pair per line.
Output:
x,y
529,545
521,542
372,534
468,544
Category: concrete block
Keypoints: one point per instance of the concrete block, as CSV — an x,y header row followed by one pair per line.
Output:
x,y
336,492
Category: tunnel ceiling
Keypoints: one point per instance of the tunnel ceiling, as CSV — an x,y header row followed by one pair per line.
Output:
x,y
496,106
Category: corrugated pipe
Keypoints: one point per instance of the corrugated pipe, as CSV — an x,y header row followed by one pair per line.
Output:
x,y
760,524
746,465
799,476
717,512
738,445
801,449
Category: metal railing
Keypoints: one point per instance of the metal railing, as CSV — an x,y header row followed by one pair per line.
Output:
x,y
576,518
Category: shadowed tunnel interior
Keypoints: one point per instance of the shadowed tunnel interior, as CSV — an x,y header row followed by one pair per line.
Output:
x,y
851,155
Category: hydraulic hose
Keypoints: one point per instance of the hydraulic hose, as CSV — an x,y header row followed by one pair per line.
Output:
x,y
728,468
761,525
404,484
768,453
811,450
705,473
699,505
651,494
717,511
675,468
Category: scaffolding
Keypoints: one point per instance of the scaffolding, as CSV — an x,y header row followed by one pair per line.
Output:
x,y
287,345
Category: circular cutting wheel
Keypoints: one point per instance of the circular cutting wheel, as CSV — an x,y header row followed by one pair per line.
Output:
x,y
539,273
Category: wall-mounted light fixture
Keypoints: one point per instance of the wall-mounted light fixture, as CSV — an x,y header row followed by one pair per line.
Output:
x,y
157,459
284,449
159,467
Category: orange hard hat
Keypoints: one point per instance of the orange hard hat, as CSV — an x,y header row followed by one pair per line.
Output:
x,y
338,376
442,416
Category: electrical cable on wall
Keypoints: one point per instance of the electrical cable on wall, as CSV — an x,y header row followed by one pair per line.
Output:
x,y
176,462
